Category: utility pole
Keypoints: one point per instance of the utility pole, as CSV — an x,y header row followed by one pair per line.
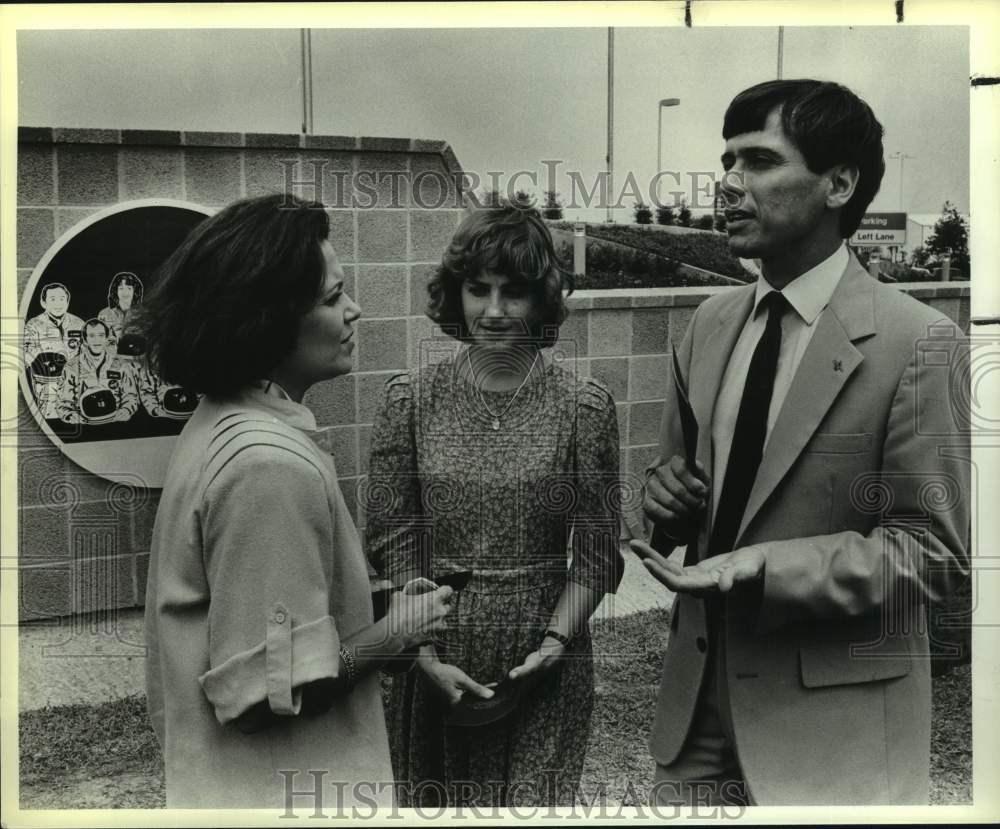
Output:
x,y
781,49
610,159
305,41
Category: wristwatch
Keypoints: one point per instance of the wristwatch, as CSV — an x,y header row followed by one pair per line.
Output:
x,y
555,634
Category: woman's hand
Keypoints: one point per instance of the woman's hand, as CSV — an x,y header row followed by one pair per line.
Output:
x,y
419,616
538,662
450,681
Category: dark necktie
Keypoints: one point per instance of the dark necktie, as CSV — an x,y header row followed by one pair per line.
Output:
x,y
751,429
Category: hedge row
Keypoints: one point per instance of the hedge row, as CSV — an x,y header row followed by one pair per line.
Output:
x,y
620,266
709,251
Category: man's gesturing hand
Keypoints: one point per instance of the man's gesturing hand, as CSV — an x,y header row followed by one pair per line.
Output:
x,y
718,574
675,498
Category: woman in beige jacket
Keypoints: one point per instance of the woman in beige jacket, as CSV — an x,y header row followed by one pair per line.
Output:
x,y
263,653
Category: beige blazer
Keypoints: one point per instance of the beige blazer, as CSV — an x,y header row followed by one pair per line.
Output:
x,y
861,505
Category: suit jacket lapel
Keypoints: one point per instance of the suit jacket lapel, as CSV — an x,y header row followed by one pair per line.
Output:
x,y
706,372
828,363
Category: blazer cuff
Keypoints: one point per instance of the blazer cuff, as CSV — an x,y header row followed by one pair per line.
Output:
x,y
786,566
276,668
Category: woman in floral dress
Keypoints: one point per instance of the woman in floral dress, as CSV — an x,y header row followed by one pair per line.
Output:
x,y
499,460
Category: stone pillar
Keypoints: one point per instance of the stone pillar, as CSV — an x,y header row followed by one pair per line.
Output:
x,y
579,248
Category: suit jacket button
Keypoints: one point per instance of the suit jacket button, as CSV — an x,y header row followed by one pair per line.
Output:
x,y
701,643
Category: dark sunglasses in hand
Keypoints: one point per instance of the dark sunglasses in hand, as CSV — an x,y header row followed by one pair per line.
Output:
x,y
456,580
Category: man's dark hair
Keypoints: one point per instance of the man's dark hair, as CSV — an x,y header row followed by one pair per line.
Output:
x,y
510,239
53,286
228,302
828,124
95,323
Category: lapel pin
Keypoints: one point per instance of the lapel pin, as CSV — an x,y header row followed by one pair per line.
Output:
x,y
838,365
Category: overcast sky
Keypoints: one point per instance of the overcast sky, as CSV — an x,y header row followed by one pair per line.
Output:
x,y
508,99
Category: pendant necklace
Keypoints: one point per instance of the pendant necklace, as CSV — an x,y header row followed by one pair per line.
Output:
x,y
495,423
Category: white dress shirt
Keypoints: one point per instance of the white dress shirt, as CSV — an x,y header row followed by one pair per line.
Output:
x,y
807,295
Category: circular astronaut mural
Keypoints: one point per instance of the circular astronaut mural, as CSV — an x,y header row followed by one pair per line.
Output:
x,y
85,377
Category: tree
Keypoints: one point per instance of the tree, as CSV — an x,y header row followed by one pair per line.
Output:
x,y
643,215
491,198
684,215
553,207
665,215
523,199
951,233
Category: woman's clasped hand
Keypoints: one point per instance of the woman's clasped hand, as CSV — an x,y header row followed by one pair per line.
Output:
x,y
418,612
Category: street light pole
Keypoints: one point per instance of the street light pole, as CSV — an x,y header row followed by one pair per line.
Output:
x,y
665,102
305,43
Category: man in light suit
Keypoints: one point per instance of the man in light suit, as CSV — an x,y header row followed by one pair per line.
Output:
x,y
828,503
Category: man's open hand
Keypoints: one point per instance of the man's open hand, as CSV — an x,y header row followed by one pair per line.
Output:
x,y
718,574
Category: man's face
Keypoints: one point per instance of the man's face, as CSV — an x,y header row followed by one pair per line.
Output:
x,y
774,203
96,339
55,302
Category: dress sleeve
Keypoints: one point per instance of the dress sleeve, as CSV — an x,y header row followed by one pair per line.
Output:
x,y
396,535
267,535
596,560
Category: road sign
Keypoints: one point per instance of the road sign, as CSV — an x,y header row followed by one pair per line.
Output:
x,y
879,229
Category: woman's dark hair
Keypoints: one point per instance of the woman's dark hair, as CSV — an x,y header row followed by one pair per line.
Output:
x,y
509,239
129,278
227,304
828,124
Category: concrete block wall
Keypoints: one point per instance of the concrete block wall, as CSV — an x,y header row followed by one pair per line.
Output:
x,y
84,542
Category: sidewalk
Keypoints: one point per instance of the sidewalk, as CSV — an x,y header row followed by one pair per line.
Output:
x,y
63,663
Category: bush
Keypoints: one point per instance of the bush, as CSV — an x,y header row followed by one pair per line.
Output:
x,y
703,222
684,215
665,215
643,215
553,207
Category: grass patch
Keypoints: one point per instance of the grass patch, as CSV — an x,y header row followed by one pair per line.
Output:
x,y
90,757
106,756
951,737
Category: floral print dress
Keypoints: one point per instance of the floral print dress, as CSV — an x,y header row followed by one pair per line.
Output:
x,y
527,508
